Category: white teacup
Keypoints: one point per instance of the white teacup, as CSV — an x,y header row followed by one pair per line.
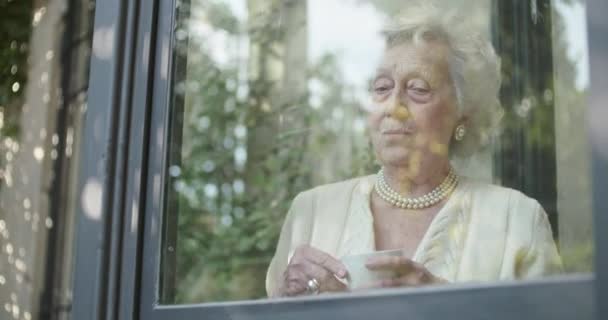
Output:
x,y
359,275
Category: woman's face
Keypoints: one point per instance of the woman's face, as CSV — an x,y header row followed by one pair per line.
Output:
x,y
413,110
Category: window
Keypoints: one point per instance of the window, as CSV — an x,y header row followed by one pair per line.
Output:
x,y
252,103
268,101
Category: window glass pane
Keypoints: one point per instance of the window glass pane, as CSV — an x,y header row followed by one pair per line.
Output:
x,y
284,112
44,58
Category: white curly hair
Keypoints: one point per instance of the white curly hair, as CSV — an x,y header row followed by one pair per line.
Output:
x,y
474,68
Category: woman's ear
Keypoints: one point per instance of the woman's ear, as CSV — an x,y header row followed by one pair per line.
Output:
x,y
463,121
461,127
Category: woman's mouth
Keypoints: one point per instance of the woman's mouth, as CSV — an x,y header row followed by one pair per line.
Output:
x,y
397,131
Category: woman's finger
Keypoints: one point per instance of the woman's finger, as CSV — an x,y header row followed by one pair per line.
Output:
x,y
402,264
294,288
295,280
301,269
327,280
414,278
323,259
408,272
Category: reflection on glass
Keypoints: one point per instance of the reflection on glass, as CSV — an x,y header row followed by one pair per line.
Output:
x,y
42,99
324,146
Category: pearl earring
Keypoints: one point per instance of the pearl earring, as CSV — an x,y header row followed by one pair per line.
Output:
x,y
460,131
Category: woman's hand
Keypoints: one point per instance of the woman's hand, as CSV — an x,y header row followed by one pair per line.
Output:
x,y
408,272
308,263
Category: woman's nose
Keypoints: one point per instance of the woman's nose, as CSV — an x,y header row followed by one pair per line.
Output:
x,y
397,108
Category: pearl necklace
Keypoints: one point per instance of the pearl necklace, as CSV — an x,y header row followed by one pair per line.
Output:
x,y
389,195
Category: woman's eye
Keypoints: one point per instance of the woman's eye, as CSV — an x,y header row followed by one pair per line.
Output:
x,y
419,90
381,89
382,85
419,94
418,87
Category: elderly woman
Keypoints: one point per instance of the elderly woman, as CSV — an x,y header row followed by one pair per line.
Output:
x,y
434,98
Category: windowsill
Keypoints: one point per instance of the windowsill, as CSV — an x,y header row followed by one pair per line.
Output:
x,y
558,297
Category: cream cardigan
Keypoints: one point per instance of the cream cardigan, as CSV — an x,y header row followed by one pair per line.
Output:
x,y
483,233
